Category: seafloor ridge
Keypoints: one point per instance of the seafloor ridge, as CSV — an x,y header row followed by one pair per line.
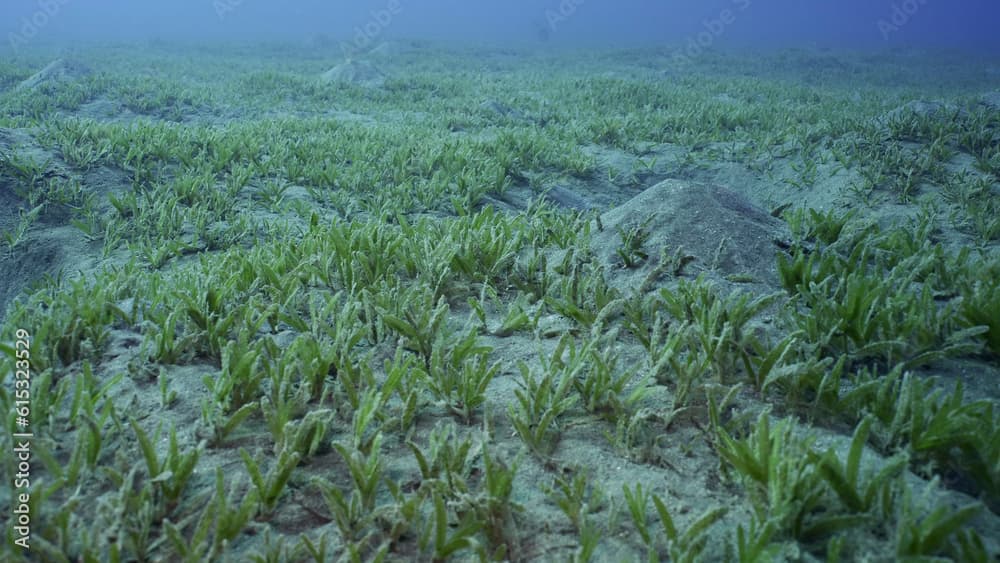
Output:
x,y
465,303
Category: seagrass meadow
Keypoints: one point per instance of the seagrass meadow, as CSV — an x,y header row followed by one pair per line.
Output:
x,y
466,303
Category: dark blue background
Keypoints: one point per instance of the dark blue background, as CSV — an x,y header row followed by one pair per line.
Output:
x,y
848,23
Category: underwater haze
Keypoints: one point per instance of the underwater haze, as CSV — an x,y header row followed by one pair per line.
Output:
x,y
967,24
525,281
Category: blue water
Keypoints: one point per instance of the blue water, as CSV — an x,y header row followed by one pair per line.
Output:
x,y
869,24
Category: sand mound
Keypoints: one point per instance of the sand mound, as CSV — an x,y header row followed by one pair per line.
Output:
x,y
59,70
50,245
939,111
725,233
990,101
360,73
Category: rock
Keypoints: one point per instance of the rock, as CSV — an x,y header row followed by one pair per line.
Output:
x,y
59,70
359,73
